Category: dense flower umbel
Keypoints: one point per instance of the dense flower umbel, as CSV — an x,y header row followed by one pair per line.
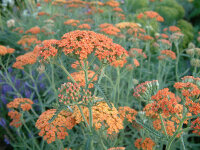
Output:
x,y
27,59
165,102
34,30
128,113
79,77
145,144
187,89
196,126
123,25
80,44
110,30
23,103
135,52
27,40
18,103
103,116
168,53
117,148
16,116
4,50
151,15
58,127
48,49
143,90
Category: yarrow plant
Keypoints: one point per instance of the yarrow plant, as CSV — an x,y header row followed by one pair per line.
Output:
x,y
98,75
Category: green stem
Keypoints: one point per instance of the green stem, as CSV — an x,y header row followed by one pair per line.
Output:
x,y
82,114
30,134
163,125
177,61
65,70
100,77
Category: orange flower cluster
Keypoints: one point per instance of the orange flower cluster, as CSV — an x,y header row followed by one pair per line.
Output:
x,y
80,44
72,22
24,103
135,52
165,102
42,13
84,26
5,50
19,30
34,30
117,9
174,29
168,53
27,40
79,77
187,89
112,3
110,30
123,25
16,116
27,59
136,62
48,49
58,127
69,92
169,126
196,126
117,148
136,32
128,113
151,15
103,115
143,90
145,144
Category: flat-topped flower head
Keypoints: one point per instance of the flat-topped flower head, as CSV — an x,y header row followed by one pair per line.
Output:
x,y
48,49
112,3
80,44
195,126
151,15
188,89
5,50
117,148
145,144
127,113
103,117
26,59
57,129
33,30
168,54
16,116
165,102
136,52
24,103
123,25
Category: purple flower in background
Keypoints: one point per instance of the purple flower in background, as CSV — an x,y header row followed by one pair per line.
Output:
x,y
17,84
27,93
10,70
2,122
6,140
3,99
6,88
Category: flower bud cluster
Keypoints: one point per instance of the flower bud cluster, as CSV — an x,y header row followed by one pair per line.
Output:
x,y
145,90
